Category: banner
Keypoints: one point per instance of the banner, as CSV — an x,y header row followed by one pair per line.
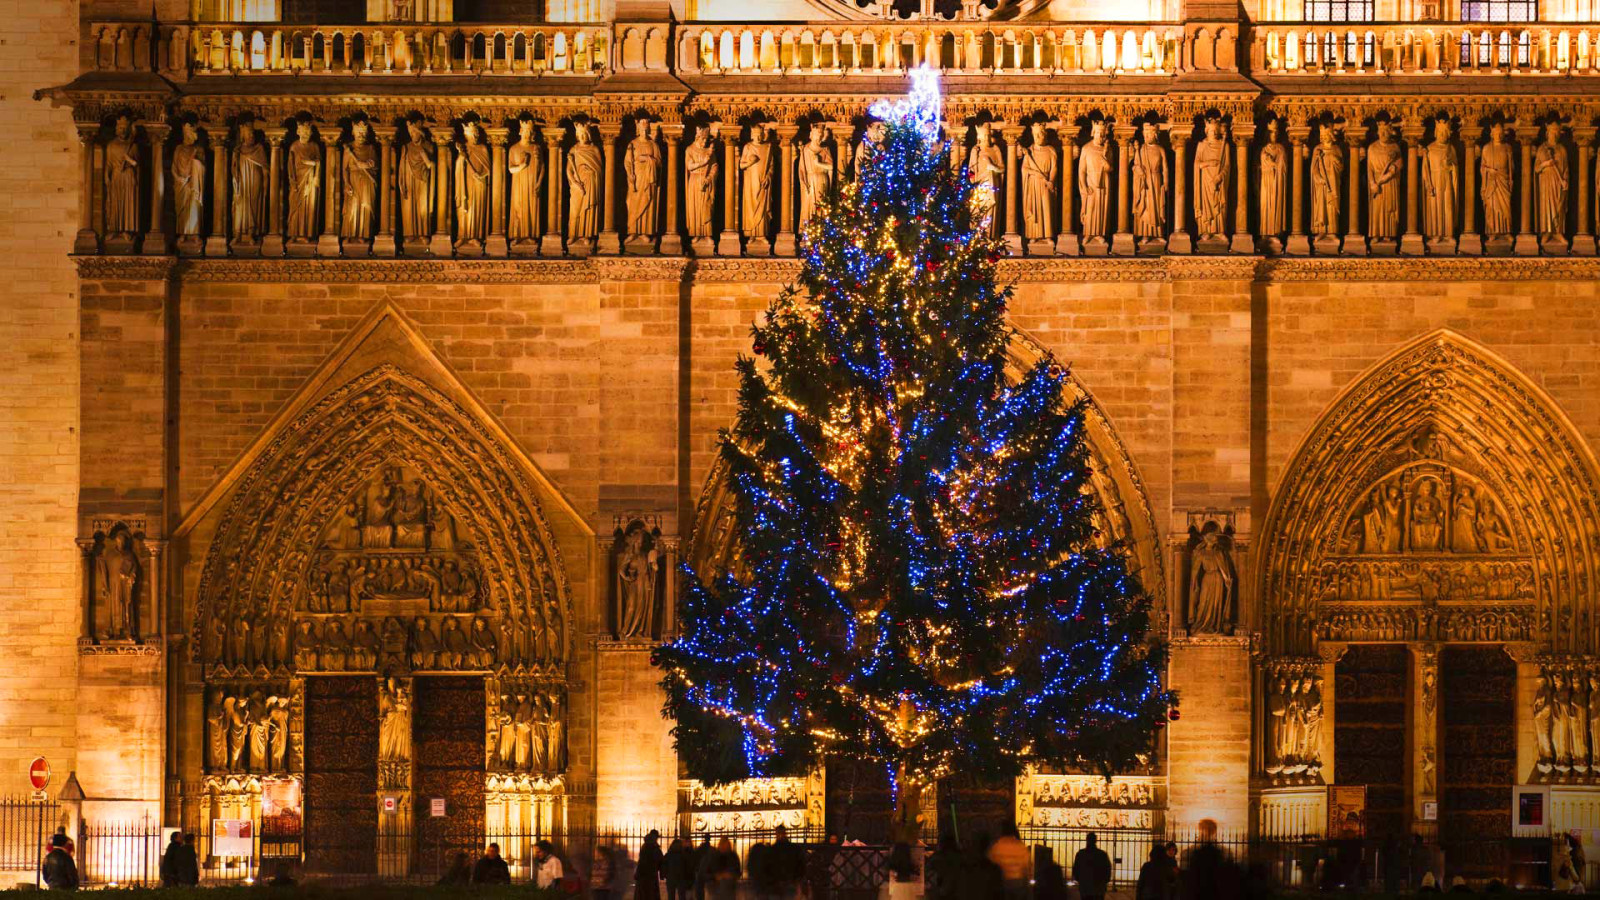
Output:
x,y
232,837
1347,811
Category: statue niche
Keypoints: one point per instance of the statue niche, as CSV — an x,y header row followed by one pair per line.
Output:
x,y
115,583
247,729
639,579
1213,585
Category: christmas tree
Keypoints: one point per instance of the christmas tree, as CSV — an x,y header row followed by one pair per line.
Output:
x,y
919,578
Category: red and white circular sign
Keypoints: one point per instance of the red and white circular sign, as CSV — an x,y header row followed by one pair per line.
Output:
x,y
39,774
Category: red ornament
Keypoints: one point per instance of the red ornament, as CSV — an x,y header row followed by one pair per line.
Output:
x,y
1173,714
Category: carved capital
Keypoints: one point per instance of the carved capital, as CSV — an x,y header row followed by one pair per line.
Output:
x,y
1331,651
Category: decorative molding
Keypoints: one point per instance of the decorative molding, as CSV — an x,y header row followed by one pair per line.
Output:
x,y
125,268
770,270
1436,269
647,268
1211,640
148,647
395,271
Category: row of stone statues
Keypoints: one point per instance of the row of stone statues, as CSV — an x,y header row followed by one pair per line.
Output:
x,y
518,641
1425,624
530,733
1566,721
343,584
247,730
1293,746
1427,516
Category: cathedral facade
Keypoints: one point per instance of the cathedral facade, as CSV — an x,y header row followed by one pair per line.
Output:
x,y
406,330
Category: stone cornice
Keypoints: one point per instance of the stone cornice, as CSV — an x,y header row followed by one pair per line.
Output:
x,y
125,268
1436,268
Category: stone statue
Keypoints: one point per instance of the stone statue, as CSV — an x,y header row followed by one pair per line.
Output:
x,y
644,167
393,642
638,565
1543,723
364,645
116,573
305,184
585,168
1427,519
278,714
1393,512
1149,185
238,716
525,162
250,162
360,177
700,183
1040,165
505,717
1464,522
1280,726
394,722
1094,183
1311,724
260,732
216,731
1441,184
1210,585
482,644
1577,715
556,755
1594,719
279,653
239,640
505,650
454,651
1274,175
335,647
1561,720
1495,175
424,644
538,736
122,180
755,169
816,172
986,166
1385,164
416,182
1550,170
522,722
472,186
1327,177
307,644
189,184
1211,172
1492,530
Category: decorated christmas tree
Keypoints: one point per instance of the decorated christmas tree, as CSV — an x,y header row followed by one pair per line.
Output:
x,y
919,580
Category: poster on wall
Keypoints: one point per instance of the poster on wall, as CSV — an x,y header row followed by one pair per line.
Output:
x,y
1530,811
280,807
232,837
1347,811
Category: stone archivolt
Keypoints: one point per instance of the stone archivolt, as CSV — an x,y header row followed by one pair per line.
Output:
x,y
1441,497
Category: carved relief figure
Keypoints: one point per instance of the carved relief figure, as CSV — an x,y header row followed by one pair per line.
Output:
x,y
755,169
1385,163
278,717
335,650
1544,722
525,163
1393,512
1094,182
307,644
481,655
394,722
1494,174
522,723
1274,181
1441,184
1427,518
116,573
424,644
250,161
556,754
359,175
416,181
1327,177
1464,522
1492,531
506,752
189,183
1211,171
700,183
1372,523
584,172
305,183
1149,185
643,165
364,645
638,564
986,166
454,651
1550,169
1577,715
816,171
1040,165
216,730
393,642
1210,585
1594,720
260,730
1561,720
238,716
472,185
122,180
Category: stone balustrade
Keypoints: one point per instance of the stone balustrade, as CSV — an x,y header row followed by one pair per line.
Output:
x,y
1424,48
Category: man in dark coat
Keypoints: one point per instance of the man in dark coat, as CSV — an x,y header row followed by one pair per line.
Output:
x,y
1091,869
60,872
491,869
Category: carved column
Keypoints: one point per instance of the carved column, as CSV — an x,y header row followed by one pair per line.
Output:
x,y
496,244
554,183
272,241
1411,238
328,242
155,239
394,789
1182,240
1355,243
383,241
1067,240
1471,243
1242,242
784,244
1122,239
443,243
671,236
610,241
1299,244
1527,243
1422,739
1330,652
1013,236
217,242
86,558
1583,242
728,241
88,239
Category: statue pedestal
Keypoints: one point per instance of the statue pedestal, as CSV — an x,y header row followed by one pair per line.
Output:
x,y
1471,244
550,245
784,244
1067,245
155,244
88,243
301,247
758,246
1298,245
727,244
610,243
1213,244
1243,243
1354,245
1208,746
1526,245
383,246
1122,244
1041,247
1554,245
636,769
1441,247
1411,244
1180,242
1152,246
272,245
1013,242
440,245
1326,245
190,245
671,244
496,245
216,245
1583,245
328,245
640,246
1383,247
1096,246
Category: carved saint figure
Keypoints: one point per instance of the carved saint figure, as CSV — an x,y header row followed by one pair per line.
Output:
x,y
1494,174
1385,163
637,567
472,185
1372,523
216,731
238,716
986,166
116,573
1280,726
411,517
279,653
424,644
1393,512
643,165
507,720
260,732
1464,523
189,183
755,170
1211,171
360,177
1311,724
1094,182
305,183
584,172
1441,184
1577,716
1550,169
1594,720
122,180
307,643
1149,185
522,722
364,645
556,754
482,644
1427,518
1274,181
816,171
700,183
1492,530
1210,586
1040,163
278,714
250,161
1561,720
454,651
394,722
1327,175
416,182
538,737
525,162
335,647
1544,722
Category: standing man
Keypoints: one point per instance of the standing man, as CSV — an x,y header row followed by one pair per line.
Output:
x,y
1091,869
1010,855
491,869
547,871
60,872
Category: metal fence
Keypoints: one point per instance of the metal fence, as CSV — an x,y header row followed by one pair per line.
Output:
x,y
26,826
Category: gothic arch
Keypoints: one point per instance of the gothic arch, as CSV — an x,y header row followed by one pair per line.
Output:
x,y
1124,504
1442,496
